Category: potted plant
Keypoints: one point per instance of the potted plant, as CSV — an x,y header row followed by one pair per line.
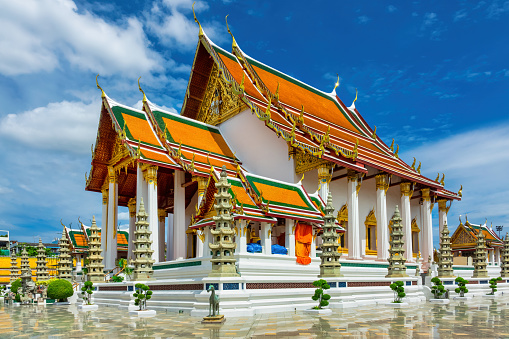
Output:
x,y
2,294
399,293
87,290
438,290
60,290
462,288
493,286
321,297
142,294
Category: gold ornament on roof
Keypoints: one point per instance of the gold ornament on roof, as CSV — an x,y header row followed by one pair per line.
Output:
x,y
392,145
460,192
438,177
397,150
99,87
196,20
336,85
139,87
354,100
413,164
277,92
419,168
442,180
374,133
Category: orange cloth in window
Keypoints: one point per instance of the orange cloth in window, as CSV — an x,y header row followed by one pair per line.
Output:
x,y
303,238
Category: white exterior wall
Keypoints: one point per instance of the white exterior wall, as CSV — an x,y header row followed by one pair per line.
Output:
x,y
261,151
310,182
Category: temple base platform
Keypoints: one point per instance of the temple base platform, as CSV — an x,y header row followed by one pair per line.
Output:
x,y
216,319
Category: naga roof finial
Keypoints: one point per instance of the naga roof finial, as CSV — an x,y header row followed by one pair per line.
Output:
x,y
397,150
413,164
234,43
419,168
460,192
438,177
335,85
97,83
352,106
392,145
374,133
442,180
139,87
196,20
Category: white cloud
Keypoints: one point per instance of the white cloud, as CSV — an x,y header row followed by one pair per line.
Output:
x,y
459,15
497,8
40,34
477,160
363,19
123,216
391,9
65,126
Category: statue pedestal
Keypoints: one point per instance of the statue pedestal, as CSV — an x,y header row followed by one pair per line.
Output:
x,y
322,311
439,301
397,305
216,319
143,314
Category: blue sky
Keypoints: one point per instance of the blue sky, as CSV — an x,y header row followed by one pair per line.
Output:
x,y
434,75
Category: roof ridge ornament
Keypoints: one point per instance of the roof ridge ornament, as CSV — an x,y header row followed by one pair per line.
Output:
x,y
438,177
374,134
352,106
103,95
460,192
335,86
442,180
392,145
139,87
419,168
234,43
397,150
200,33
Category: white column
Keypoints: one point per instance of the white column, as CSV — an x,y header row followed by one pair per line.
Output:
x,y
290,236
78,262
497,255
406,219
111,235
162,218
442,214
104,224
169,238
132,227
382,230
265,237
242,242
312,252
207,241
427,227
354,241
179,216
200,243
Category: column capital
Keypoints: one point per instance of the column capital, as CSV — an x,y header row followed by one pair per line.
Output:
x,y
104,192
442,205
381,182
162,214
112,177
150,174
324,172
131,204
426,194
406,190
202,183
351,175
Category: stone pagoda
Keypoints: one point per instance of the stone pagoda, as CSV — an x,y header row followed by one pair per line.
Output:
x,y
223,247
26,271
42,268
64,267
397,268
142,250
95,266
445,255
14,268
504,267
330,265
480,257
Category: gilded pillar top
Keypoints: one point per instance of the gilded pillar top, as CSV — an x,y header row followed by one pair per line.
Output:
x,y
132,207
351,175
426,194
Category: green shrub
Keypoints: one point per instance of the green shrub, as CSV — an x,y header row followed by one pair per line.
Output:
x,y
493,285
438,289
142,294
461,289
14,289
322,298
117,278
60,290
45,282
399,291
86,291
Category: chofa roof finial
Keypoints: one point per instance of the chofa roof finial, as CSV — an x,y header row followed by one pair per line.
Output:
x,y
196,20
139,87
102,92
234,43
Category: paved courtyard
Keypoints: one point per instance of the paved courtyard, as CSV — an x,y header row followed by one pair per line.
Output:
x,y
476,318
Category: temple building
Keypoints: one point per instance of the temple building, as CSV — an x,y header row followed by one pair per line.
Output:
x,y
284,146
464,240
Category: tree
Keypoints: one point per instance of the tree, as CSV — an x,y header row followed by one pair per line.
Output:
x,y
493,285
438,289
461,289
125,268
142,294
322,298
117,278
60,290
87,290
399,291
14,288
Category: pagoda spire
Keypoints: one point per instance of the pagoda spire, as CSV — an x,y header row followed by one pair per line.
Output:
x,y
396,258
223,262
330,265
504,268
95,266
143,253
42,268
445,255
25,264
14,268
64,267
480,257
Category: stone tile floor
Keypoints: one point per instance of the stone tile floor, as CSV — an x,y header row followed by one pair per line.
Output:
x,y
476,318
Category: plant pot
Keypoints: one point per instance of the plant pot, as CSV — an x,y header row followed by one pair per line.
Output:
x,y
462,298
322,311
490,296
143,314
396,305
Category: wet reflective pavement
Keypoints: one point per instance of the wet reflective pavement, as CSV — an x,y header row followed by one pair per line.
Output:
x,y
476,318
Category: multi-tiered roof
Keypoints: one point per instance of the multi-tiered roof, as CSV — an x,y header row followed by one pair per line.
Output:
x,y
465,236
